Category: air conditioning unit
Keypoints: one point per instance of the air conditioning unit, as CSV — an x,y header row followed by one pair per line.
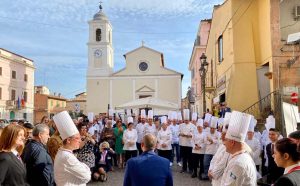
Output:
x,y
10,103
297,12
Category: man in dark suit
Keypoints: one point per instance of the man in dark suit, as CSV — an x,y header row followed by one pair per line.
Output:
x,y
148,169
274,172
38,162
223,109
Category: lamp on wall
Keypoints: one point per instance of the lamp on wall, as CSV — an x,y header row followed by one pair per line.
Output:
x,y
203,70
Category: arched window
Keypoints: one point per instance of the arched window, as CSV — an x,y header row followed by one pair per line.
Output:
x,y
98,34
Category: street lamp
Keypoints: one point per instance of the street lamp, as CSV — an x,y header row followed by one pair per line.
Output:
x,y
203,70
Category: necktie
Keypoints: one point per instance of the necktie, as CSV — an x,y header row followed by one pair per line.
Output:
x,y
272,148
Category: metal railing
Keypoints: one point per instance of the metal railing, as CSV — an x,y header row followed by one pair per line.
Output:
x,y
270,104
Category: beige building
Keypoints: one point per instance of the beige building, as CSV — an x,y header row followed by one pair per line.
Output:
x,y
251,63
77,105
144,75
16,86
46,104
195,64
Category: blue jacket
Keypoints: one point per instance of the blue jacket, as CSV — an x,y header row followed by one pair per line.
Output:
x,y
148,169
38,164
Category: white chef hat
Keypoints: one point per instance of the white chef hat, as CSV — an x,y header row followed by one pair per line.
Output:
x,y
207,117
214,122
270,122
252,124
150,114
220,122
238,126
194,116
143,113
226,118
128,112
91,116
170,115
186,114
111,112
179,116
65,125
163,119
199,122
174,115
130,119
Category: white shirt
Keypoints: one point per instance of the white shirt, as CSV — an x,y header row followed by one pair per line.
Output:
x,y
218,165
198,138
255,146
130,137
240,171
164,137
69,171
140,132
211,148
150,129
186,129
175,132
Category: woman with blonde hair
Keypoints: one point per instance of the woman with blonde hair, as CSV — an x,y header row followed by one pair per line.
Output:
x,y
103,161
13,172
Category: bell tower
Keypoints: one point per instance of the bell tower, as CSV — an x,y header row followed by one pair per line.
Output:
x,y
100,50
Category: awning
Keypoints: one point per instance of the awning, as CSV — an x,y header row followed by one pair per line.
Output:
x,y
149,102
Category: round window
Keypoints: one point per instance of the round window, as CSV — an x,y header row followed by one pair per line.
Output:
x,y
143,66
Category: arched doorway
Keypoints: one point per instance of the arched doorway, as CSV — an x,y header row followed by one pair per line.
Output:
x,y
12,115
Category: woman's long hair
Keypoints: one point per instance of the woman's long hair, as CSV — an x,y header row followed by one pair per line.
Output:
x,y
9,136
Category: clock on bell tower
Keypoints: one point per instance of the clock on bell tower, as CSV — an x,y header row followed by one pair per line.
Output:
x,y
100,49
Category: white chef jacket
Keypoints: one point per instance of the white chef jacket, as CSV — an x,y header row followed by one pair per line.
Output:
x,y
255,146
130,136
92,129
140,132
187,129
164,136
211,148
198,138
240,171
175,132
257,135
218,165
69,171
150,129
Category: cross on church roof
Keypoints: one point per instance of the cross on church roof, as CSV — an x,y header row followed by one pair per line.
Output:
x,y
100,5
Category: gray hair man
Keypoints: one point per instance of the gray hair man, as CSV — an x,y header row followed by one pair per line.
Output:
x,y
38,162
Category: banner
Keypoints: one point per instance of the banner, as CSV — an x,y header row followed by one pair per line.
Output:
x,y
291,117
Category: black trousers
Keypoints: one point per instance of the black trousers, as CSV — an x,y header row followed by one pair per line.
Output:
x,y
186,156
196,159
138,146
166,154
130,154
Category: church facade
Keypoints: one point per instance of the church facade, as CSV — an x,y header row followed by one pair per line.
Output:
x,y
144,75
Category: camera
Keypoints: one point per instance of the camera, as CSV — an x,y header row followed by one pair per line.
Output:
x,y
106,148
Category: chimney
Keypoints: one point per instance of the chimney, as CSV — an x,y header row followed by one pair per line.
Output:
x,y
59,94
54,93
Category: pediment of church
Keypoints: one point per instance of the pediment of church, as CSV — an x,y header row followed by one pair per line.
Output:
x,y
145,89
145,61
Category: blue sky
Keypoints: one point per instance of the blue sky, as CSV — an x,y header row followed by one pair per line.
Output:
x,y
54,34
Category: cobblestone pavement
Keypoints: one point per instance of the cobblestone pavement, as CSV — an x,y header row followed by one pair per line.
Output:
x,y
115,178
